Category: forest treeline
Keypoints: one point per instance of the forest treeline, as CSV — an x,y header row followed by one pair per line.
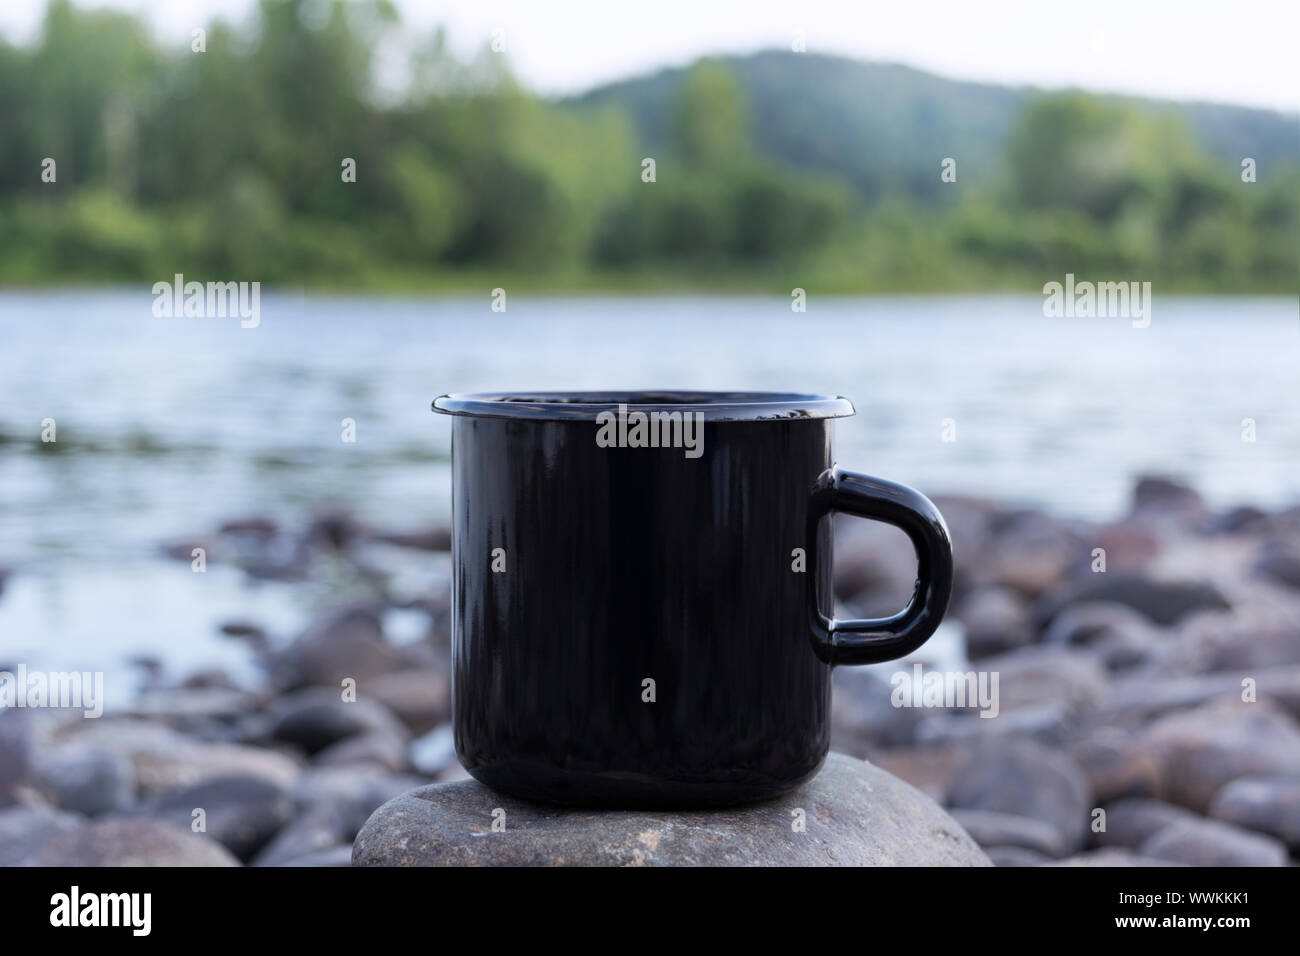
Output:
x,y
232,163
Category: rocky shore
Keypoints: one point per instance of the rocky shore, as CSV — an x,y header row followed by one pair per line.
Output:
x,y
1148,707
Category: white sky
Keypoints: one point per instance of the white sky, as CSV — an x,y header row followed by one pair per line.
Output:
x,y
1234,52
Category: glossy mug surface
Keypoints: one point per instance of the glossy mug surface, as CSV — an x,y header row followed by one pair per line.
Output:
x,y
645,624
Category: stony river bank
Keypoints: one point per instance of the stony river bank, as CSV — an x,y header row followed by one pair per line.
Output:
x,y
1147,709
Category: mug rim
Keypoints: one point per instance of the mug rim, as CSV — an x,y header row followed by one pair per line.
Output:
x,y
586,404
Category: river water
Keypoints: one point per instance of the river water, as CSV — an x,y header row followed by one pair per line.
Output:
x,y
167,426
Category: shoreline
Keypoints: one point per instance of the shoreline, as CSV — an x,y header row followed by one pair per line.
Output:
x,y
1124,651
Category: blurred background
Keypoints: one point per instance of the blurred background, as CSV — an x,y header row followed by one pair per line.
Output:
x,y
498,147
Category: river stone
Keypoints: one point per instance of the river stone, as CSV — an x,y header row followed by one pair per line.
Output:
x,y
1268,804
331,857
1032,552
863,714
1038,676
165,760
1280,560
240,813
378,749
316,718
15,754
116,841
1131,821
1015,856
1186,757
359,788
1044,722
929,769
1024,778
323,827
1164,602
420,697
996,620
1119,635
1159,496
1199,842
86,780
22,829
990,829
1112,856
347,642
855,814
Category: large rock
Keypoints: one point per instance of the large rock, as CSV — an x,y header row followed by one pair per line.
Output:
x,y
854,814
123,842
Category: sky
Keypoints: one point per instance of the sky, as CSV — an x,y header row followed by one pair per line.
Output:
x,y
1180,49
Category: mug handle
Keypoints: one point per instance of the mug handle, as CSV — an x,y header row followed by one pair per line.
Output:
x,y
880,639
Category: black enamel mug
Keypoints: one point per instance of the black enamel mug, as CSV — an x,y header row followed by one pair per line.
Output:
x,y
641,590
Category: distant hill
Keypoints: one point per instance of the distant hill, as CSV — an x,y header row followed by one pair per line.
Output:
x,y
884,127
